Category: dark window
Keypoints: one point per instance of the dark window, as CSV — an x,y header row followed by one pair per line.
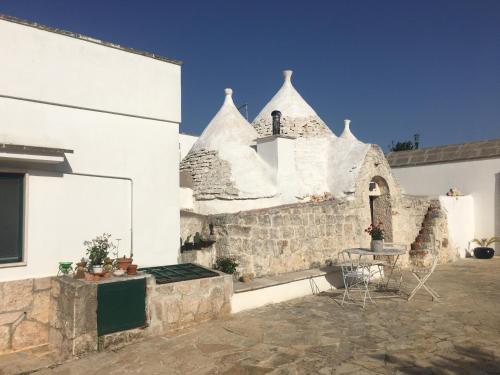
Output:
x,y
11,217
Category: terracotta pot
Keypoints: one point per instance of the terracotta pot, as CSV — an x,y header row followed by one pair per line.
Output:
x,y
132,269
123,263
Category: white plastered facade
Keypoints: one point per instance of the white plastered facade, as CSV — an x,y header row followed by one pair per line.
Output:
x,y
119,112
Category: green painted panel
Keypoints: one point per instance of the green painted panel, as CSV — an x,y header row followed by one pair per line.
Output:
x,y
178,272
121,306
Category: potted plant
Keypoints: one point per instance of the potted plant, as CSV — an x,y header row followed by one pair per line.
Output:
x,y
123,263
197,243
98,250
132,269
377,234
226,265
483,251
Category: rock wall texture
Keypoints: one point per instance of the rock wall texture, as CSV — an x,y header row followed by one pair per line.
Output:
x,y
301,236
73,318
211,176
182,304
24,313
191,223
295,127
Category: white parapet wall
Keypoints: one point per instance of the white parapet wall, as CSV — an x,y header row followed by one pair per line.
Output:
x,y
279,293
461,221
280,288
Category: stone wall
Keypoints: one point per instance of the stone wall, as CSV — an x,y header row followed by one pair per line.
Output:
x,y
191,223
204,257
301,236
73,318
211,176
182,304
295,127
288,238
24,313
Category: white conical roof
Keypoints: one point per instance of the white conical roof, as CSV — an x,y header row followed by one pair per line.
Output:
x,y
228,126
347,134
298,117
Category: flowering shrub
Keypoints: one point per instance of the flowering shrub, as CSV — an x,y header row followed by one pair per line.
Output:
x,y
98,248
376,231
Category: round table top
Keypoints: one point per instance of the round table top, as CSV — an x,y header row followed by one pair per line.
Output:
x,y
386,251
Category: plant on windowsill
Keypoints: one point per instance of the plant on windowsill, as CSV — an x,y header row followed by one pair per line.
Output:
x,y
377,234
484,251
98,250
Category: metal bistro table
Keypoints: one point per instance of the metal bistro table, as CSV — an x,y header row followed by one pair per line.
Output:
x,y
381,265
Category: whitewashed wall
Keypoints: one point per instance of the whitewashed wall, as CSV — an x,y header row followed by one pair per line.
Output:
x,y
137,146
461,223
478,178
186,141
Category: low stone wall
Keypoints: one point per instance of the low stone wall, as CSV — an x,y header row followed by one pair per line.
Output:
x,y
302,236
24,313
73,320
204,257
73,316
288,238
182,304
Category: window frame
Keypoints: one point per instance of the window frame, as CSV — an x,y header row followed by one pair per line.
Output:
x,y
21,260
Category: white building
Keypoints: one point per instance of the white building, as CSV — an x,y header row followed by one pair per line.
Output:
x,y
473,168
235,166
88,144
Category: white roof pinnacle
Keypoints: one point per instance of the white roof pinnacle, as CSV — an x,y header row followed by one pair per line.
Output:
x,y
347,134
288,101
228,126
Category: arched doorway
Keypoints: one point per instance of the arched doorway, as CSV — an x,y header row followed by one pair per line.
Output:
x,y
380,205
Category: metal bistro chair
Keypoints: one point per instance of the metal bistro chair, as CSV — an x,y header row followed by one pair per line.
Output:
x,y
422,271
356,275
390,273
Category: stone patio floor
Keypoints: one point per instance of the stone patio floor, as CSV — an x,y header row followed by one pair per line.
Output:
x,y
314,335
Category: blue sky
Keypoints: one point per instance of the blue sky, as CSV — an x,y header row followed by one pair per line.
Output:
x,y
394,68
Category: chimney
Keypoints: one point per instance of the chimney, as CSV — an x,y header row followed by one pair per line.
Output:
x,y
276,115
278,151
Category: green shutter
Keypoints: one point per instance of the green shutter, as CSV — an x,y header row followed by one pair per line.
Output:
x,y
121,306
11,217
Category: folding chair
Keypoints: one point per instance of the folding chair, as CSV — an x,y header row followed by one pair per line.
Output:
x,y
395,272
422,272
356,275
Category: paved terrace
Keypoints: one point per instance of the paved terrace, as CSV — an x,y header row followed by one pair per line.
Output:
x,y
314,335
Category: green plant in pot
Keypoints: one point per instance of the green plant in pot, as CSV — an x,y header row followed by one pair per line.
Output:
x,y
377,233
226,265
98,250
483,251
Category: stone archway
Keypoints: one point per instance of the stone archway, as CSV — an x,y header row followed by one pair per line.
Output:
x,y
380,205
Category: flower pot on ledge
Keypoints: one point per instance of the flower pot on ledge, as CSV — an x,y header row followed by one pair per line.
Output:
x,y
377,245
124,262
484,252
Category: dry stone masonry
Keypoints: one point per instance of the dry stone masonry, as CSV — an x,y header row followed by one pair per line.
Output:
x,y
296,237
24,313
295,127
211,176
